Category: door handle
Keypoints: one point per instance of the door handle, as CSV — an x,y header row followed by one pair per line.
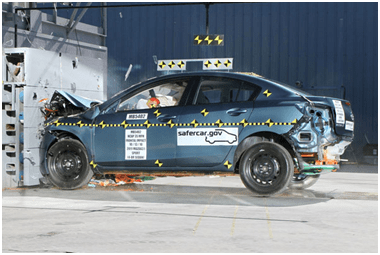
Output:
x,y
165,118
236,111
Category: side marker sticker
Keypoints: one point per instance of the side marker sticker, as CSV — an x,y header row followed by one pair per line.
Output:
x,y
204,112
93,164
80,124
102,124
267,93
269,122
244,123
228,164
158,163
157,113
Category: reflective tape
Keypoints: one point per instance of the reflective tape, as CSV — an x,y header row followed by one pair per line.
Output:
x,y
170,123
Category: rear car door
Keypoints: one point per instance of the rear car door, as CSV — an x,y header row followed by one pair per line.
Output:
x,y
135,135
210,126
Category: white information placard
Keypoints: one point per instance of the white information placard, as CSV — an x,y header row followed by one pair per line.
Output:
x,y
340,117
137,116
135,144
350,125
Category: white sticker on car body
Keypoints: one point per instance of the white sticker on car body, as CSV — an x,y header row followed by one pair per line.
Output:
x,y
137,116
207,136
340,116
349,125
135,144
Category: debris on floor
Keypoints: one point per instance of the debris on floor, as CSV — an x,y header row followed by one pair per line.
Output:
x,y
116,180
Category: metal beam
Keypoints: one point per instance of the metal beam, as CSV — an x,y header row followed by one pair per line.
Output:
x,y
55,13
79,18
104,22
73,15
122,6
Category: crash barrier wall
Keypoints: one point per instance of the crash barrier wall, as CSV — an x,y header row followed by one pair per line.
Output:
x,y
30,77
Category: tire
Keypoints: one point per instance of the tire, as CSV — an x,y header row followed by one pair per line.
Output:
x,y
68,164
266,168
303,182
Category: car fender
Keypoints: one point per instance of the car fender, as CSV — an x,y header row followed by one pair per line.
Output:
x,y
259,137
47,140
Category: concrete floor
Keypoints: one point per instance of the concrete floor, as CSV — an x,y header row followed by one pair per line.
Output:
x,y
195,214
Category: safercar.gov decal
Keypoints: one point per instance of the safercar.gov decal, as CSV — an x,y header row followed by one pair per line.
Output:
x,y
207,136
135,144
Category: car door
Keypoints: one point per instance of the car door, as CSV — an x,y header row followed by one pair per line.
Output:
x,y
212,123
135,135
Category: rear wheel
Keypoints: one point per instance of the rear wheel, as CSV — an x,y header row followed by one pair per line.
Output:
x,y
68,164
266,168
303,181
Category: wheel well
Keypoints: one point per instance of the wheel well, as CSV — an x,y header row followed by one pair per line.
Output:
x,y
258,137
63,135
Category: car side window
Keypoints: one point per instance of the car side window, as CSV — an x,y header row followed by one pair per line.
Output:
x,y
214,90
157,96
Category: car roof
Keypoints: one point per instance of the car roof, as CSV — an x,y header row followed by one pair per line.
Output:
x,y
247,76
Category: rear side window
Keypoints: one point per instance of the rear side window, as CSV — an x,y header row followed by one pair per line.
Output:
x,y
216,90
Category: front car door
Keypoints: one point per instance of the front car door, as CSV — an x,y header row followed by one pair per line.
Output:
x,y
212,124
141,131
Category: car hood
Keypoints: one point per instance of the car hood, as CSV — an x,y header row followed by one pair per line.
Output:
x,y
78,101
64,103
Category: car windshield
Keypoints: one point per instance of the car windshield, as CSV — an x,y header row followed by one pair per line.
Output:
x,y
106,103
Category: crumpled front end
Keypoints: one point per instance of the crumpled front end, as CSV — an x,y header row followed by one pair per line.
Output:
x,y
64,103
322,135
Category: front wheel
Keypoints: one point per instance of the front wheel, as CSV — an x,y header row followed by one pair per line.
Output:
x,y
266,168
68,164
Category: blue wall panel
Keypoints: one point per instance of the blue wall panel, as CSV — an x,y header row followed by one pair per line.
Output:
x,y
325,45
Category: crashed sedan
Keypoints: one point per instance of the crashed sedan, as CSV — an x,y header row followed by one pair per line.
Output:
x,y
273,135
